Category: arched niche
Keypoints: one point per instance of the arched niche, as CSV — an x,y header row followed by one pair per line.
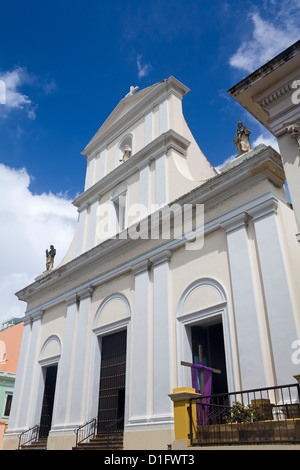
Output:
x,y
128,139
200,297
51,349
114,308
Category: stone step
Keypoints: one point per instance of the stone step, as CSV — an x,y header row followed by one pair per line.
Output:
x,y
40,444
103,442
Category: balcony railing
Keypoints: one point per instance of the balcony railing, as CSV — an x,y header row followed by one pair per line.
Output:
x,y
268,415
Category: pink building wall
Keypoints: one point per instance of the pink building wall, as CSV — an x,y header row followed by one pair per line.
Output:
x,y
10,344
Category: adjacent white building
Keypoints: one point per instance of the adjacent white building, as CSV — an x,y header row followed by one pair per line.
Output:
x,y
130,301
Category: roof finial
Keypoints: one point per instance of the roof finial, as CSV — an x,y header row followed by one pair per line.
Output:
x,y
133,89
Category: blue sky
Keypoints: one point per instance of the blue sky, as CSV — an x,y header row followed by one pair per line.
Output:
x,y
66,65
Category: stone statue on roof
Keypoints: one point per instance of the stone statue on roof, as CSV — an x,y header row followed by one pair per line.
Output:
x,y
241,140
50,257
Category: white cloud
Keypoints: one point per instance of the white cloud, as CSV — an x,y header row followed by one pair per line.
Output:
x,y
13,98
29,224
269,37
143,70
268,140
14,80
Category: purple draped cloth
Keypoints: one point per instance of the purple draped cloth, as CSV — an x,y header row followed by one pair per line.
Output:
x,y
202,404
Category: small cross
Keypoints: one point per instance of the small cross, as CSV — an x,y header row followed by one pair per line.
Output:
x,y
188,364
133,89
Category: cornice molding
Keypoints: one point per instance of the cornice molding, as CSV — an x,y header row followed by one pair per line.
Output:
x,y
85,292
162,257
236,222
33,316
276,95
141,267
264,209
71,299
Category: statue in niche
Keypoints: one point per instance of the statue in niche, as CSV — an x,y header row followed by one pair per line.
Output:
x,y
50,257
241,140
127,154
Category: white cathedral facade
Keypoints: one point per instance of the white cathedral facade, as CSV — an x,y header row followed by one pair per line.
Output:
x,y
111,324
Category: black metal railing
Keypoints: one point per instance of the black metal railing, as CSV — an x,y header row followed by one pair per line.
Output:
x,y
91,428
86,431
268,415
28,437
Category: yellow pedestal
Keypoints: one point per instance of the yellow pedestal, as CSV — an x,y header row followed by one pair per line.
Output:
x,y
181,399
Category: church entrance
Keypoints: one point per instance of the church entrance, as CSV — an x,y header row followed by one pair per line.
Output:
x,y
48,401
210,340
112,383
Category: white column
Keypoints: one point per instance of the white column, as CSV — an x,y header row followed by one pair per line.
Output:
x,y
163,116
163,325
245,304
161,180
289,145
89,181
13,422
81,230
148,127
144,190
100,165
276,289
66,366
31,369
141,380
92,222
79,384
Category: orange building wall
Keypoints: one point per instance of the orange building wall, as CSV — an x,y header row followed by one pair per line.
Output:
x,y
11,338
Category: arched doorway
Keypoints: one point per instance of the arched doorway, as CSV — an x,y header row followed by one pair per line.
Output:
x,y
109,365
202,320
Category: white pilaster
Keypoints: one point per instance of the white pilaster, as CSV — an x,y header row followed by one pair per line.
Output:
x,y
31,370
245,304
289,145
163,116
89,181
64,384
20,377
276,289
161,180
141,380
92,224
148,127
81,230
100,165
80,358
144,190
163,324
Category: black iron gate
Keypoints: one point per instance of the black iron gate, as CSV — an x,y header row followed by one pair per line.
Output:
x,y
48,401
112,383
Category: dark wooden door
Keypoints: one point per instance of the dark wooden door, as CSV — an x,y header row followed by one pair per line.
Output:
x,y
112,383
48,401
212,342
